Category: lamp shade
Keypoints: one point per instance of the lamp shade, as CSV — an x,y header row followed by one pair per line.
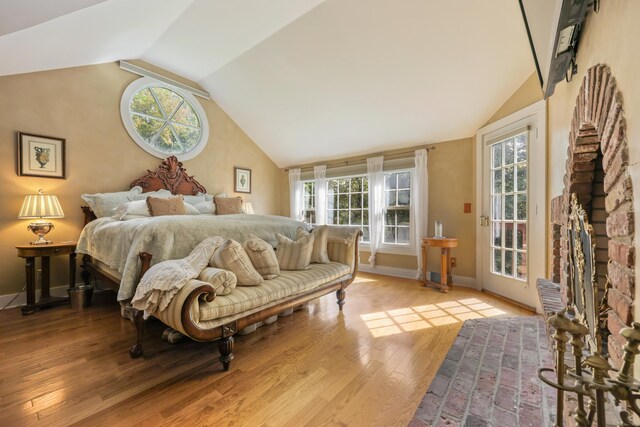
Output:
x,y
40,206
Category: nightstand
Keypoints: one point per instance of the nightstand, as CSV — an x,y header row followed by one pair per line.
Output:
x,y
30,253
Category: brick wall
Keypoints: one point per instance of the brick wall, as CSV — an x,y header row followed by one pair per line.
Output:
x,y
596,170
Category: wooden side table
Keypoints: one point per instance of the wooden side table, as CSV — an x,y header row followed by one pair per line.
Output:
x,y
445,258
30,253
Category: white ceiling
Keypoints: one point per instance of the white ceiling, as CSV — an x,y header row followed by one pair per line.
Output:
x,y
307,80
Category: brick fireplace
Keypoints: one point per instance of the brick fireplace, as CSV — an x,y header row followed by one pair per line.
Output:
x,y
596,170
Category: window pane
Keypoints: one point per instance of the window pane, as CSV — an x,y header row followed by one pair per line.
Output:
x,y
521,269
356,217
168,99
356,185
508,235
390,181
403,197
497,234
508,263
343,217
146,127
365,216
521,148
497,261
188,136
496,155
522,206
497,181
403,217
333,186
389,234
365,184
496,207
521,236
308,189
167,141
356,201
508,207
404,180
365,200
344,201
403,235
186,115
343,185
332,217
332,201
390,218
509,179
390,198
365,234
508,151
144,103
522,177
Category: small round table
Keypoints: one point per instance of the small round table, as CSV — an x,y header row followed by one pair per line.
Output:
x,y
445,244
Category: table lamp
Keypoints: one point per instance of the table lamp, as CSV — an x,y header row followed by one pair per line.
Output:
x,y
40,206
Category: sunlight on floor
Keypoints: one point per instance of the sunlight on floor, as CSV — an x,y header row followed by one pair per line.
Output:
x,y
410,319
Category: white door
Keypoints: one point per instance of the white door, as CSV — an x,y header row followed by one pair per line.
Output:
x,y
513,198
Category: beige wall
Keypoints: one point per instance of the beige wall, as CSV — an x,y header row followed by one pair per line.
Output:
x,y
528,93
83,105
609,38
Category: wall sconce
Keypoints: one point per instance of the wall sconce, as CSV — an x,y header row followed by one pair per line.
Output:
x,y
40,206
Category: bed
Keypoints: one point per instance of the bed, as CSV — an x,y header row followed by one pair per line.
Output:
x,y
120,252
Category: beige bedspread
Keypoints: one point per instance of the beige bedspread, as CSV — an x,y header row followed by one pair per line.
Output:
x,y
117,243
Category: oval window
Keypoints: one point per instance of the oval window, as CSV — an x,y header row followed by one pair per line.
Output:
x,y
164,120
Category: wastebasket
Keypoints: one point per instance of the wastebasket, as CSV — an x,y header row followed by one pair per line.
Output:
x,y
80,297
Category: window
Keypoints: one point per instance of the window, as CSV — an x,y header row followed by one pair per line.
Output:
x,y
309,203
509,207
348,204
164,120
397,215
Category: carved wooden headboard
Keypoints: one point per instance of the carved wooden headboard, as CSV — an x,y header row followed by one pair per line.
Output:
x,y
170,175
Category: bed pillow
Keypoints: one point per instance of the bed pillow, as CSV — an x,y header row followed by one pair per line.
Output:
x,y
320,234
223,281
194,200
230,256
206,207
228,205
262,256
159,206
102,204
158,193
137,207
294,255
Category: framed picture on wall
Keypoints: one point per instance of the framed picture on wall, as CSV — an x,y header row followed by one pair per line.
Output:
x,y
242,180
41,156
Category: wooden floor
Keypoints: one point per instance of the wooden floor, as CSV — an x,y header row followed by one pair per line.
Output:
x,y
369,365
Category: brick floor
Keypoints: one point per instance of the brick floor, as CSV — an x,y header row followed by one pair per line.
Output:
x,y
489,377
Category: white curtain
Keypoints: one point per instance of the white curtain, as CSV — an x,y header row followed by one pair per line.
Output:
x,y
295,194
320,189
420,204
375,176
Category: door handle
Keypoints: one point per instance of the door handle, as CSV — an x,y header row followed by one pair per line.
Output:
x,y
484,221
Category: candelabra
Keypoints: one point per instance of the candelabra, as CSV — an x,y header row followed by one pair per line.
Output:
x,y
590,377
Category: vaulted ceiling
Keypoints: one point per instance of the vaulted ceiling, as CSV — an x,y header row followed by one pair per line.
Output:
x,y
307,80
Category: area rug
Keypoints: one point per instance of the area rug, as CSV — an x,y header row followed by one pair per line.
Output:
x,y
489,377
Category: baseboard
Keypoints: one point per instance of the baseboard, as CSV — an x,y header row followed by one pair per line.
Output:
x,y
407,273
58,291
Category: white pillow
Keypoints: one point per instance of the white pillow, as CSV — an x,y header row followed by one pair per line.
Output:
x,y
136,207
207,207
102,204
194,200
191,210
159,193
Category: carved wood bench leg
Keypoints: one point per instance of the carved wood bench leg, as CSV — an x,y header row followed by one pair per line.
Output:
x,y
341,294
138,320
225,345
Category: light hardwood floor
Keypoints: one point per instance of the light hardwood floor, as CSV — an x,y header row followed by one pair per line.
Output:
x,y
369,365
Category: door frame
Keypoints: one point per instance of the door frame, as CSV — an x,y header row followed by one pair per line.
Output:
x,y
535,116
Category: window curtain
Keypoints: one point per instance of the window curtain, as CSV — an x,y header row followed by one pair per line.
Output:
x,y
320,190
375,176
420,204
295,194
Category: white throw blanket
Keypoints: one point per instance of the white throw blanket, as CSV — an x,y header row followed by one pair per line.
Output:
x,y
163,281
